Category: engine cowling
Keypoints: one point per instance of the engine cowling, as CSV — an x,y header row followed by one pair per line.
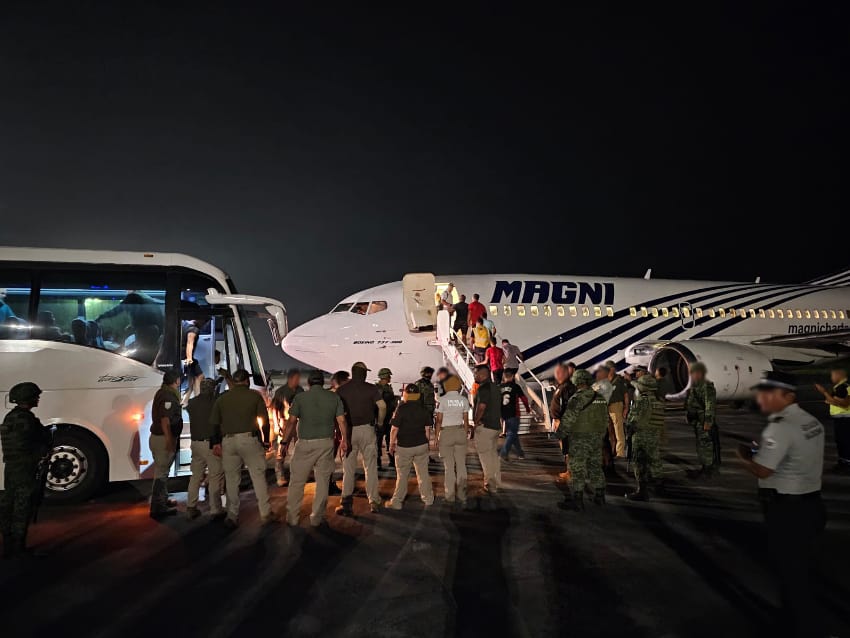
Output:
x,y
732,367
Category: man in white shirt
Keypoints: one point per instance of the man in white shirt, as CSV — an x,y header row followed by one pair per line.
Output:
x,y
513,356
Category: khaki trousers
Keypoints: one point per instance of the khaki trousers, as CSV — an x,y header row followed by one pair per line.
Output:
x,y
453,446
163,457
236,450
615,411
362,445
204,459
487,444
418,457
315,455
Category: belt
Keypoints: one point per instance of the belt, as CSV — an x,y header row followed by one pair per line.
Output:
x,y
240,434
772,495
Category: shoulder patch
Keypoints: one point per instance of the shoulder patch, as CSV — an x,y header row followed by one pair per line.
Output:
x,y
769,443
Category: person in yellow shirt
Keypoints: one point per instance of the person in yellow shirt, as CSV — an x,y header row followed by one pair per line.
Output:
x,y
838,400
480,340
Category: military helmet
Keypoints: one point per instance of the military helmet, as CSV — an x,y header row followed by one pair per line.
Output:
x,y
385,373
25,392
582,377
647,384
698,366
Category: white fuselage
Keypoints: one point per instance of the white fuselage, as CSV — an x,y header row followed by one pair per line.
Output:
x,y
582,319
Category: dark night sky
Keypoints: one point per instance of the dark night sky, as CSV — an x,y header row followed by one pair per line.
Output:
x,y
313,154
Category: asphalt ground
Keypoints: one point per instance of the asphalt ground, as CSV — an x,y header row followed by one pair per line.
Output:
x,y
690,563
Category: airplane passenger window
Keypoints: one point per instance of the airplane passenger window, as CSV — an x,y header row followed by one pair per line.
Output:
x,y
597,311
752,314
674,311
841,314
547,311
665,312
721,312
832,312
817,314
535,311
573,311
520,311
733,313
761,313
808,314
562,311
698,313
343,307
360,308
771,314
506,310
711,313
633,311
494,311
823,314
655,312
585,311
377,306
799,314
609,311
644,312
789,314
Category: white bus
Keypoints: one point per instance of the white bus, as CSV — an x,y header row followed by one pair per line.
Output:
x,y
96,329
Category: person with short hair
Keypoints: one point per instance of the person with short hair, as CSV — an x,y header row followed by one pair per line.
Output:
x,y
788,463
314,415
513,356
385,378
203,459
461,321
281,403
838,400
487,423
665,383
362,401
488,323
563,391
409,443
476,310
512,396
446,298
700,409
452,429
242,424
618,407
481,339
496,360
166,426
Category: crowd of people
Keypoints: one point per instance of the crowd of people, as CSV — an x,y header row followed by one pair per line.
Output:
x,y
599,419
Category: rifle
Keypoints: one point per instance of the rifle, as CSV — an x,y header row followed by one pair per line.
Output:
x,y
41,473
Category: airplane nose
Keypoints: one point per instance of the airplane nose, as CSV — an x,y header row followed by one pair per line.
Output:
x,y
306,343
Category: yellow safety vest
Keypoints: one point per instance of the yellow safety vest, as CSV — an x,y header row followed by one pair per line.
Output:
x,y
482,336
837,410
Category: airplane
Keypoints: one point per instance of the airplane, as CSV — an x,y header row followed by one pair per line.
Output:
x,y
738,329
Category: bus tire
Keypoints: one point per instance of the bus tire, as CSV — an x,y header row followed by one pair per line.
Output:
x,y
78,466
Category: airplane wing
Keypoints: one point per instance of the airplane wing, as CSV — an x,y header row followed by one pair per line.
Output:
x,y
837,342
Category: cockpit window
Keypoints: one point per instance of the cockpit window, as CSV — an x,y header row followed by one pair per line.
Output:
x,y
360,308
377,306
343,307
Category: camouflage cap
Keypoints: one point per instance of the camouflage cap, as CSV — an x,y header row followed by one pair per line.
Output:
x,y
646,384
698,366
385,373
426,371
24,392
611,365
582,377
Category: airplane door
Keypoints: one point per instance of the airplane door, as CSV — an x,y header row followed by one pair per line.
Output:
x,y
420,309
686,313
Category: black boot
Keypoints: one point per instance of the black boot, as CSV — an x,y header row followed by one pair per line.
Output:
x,y
574,505
333,488
599,496
346,507
641,494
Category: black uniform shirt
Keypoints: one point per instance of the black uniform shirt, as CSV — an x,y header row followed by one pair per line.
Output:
x,y
166,403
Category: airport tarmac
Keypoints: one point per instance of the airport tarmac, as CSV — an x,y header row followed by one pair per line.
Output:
x,y
692,563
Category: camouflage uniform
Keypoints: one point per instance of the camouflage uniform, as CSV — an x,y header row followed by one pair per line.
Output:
x,y
585,420
700,409
427,396
25,441
646,424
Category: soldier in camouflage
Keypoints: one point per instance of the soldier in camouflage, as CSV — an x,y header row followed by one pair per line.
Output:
x,y
585,421
426,391
700,407
646,425
382,430
25,441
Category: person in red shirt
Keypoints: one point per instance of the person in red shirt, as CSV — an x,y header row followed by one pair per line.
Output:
x,y
476,310
496,361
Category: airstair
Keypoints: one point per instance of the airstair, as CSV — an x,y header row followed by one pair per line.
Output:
x,y
457,356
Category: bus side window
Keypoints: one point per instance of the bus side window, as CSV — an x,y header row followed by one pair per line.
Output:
x,y
14,304
122,312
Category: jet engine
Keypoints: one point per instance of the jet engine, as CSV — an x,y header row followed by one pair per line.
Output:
x,y
733,368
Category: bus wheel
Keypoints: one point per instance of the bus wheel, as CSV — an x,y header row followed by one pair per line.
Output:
x,y
77,466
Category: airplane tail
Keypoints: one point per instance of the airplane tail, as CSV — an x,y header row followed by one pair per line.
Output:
x,y
836,279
